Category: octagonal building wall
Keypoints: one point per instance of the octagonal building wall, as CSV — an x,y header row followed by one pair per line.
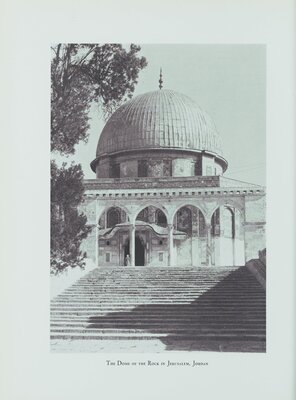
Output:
x,y
156,164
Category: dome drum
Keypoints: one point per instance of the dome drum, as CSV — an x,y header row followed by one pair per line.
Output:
x,y
158,163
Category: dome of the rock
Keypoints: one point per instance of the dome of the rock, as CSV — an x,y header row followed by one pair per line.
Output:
x,y
162,120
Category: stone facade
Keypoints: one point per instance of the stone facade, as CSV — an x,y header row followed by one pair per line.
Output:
x,y
237,237
160,197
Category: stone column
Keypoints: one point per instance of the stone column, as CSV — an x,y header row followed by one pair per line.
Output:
x,y
97,235
234,240
192,249
147,248
105,219
97,245
235,234
170,245
209,245
132,244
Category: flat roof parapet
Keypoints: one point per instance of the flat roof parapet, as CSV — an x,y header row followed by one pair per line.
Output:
x,y
169,183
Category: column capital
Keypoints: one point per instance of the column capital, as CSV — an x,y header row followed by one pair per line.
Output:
x,y
94,225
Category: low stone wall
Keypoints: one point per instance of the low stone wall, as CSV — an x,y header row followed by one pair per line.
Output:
x,y
258,269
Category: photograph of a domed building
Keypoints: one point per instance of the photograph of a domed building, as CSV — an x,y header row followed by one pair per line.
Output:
x,y
168,239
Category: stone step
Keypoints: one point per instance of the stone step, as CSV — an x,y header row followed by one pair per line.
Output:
x,y
200,301
145,292
96,305
172,331
138,301
171,300
164,308
185,296
160,272
198,295
157,280
203,272
224,315
154,304
214,292
165,268
177,289
158,322
152,318
149,336
194,299
170,278
204,318
209,310
147,325
207,318
169,285
150,277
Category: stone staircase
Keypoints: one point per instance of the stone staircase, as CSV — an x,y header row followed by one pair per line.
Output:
x,y
213,306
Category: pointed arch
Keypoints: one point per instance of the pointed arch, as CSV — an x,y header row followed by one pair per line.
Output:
x,y
227,235
226,220
189,218
112,216
160,218
149,213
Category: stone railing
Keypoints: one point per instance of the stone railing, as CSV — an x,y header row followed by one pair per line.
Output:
x,y
258,267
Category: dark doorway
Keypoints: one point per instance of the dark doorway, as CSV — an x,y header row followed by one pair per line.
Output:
x,y
139,252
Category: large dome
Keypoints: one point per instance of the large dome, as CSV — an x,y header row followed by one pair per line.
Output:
x,y
162,119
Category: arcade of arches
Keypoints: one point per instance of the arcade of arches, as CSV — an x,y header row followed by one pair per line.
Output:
x,y
149,238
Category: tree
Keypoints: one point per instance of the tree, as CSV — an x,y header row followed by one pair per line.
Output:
x,y
81,74
68,226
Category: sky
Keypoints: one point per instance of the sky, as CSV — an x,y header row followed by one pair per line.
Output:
x,y
227,81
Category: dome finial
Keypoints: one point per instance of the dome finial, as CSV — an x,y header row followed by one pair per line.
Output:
x,y
160,79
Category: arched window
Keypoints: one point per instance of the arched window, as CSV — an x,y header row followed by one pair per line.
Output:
x,y
143,168
160,218
201,224
167,167
113,217
228,223
223,223
115,170
184,220
215,223
143,215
